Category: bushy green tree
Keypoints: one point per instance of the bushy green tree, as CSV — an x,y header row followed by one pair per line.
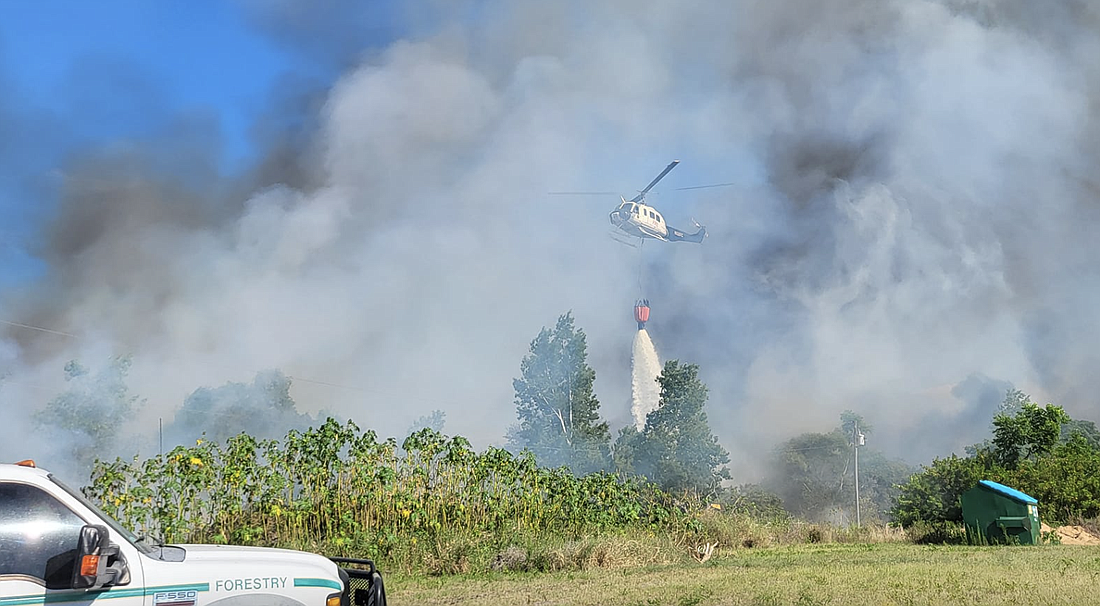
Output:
x,y
1066,482
756,501
1040,451
810,473
932,495
91,413
850,422
1028,434
434,421
879,478
814,473
1014,402
1079,427
263,408
559,415
676,449
625,451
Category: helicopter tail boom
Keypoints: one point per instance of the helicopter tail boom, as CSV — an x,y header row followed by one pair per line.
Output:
x,y
676,235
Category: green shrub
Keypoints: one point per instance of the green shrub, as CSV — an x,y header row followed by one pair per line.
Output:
x,y
937,533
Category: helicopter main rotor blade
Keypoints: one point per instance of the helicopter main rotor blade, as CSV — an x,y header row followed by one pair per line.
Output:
x,y
582,193
641,194
703,186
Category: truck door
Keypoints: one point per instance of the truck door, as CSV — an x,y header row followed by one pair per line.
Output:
x,y
38,544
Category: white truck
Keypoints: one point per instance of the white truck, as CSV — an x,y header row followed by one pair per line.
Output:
x,y
56,547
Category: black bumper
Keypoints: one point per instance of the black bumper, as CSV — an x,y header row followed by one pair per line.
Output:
x,y
362,583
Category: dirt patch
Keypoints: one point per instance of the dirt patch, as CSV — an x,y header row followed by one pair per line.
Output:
x,y
1076,535
1072,535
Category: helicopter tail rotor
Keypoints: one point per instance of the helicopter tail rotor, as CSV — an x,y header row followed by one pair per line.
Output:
x,y
699,229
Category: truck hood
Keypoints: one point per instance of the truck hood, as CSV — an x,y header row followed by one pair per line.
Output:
x,y
246,576
260,558
260,554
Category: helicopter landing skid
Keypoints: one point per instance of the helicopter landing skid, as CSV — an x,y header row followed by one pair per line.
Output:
x,y
621,239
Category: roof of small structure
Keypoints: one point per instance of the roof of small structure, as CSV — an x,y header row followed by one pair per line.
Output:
x,y
1011,493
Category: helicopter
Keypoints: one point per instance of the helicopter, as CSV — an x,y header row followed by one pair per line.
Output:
x,y
640,220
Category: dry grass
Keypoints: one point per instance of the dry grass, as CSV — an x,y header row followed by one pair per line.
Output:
x,y
854,573
715,533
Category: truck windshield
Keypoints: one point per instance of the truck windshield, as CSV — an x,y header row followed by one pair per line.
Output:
x,y
108,520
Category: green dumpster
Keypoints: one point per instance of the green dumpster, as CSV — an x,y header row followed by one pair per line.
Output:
x,y
995,513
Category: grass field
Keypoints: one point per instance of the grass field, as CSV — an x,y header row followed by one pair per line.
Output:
x,y
863,574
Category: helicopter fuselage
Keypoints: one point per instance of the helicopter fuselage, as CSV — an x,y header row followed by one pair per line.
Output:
x,y
639,220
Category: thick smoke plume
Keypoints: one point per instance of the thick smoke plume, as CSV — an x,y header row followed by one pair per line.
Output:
x,y
916,204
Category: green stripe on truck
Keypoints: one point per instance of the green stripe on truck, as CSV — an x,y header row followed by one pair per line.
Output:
x,y
80,596
314,583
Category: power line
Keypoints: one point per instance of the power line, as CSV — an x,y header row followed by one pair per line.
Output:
x,y
832,446
336,385
39,328
78,337
292,377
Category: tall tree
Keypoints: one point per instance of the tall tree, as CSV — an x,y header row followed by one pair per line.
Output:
x,y
814,474
1086,429
932,495
850,422
1014,402
434,421
263,409
90,413
676,448
811,472
559,415
1029,433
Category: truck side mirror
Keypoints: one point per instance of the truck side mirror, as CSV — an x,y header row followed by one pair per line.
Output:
x,y
91,570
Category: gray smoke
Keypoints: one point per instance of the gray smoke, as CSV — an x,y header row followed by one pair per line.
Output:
x,y
914,205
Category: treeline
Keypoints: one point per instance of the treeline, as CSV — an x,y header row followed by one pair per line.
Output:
x,y
813,474
1038,450
317,482
339,490
559,419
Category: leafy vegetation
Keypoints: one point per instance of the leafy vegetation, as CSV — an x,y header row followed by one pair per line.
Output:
x,y
1038,450
1028,434
339,490
434,421
932,496
813,474
559,415
90,412
676,448
263,407
432,503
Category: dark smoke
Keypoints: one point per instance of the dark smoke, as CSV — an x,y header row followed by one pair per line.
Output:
x,y
915,206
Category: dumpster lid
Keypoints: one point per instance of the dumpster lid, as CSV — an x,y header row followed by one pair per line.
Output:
x,y
1008,492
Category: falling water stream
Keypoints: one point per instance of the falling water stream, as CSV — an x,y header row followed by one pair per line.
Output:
x,y
645,367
